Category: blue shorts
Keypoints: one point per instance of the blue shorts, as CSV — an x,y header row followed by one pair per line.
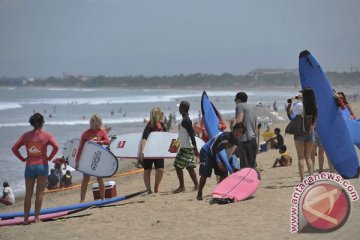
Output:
x,y
207,164
35,171
305,138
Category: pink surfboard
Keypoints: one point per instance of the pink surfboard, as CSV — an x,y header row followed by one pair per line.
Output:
x,y
20,220
238,186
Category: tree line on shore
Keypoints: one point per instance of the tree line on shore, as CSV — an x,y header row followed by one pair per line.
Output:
x,y
225,80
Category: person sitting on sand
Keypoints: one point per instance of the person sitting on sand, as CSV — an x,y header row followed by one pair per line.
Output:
x,y
98,134
154,125
209,158
8,197
276,141
284,160
36,143
185,158
67,179
52,180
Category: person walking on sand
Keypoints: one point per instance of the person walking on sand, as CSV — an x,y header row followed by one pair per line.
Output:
x,y
37,169
185,158
209,158
243,114
154,125
95,133
8,197
304,143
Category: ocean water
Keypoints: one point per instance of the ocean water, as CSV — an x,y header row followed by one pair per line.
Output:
x,y
67,113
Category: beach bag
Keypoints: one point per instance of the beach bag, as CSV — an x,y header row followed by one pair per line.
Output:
x,y
300,125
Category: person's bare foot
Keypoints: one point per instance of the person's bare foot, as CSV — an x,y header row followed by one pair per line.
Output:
x,y
149,192
26,222
37,220
199,197
196,188
179,190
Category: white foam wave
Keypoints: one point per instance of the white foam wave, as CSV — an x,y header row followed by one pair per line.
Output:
x,y
126,99
10,105
75,89
76,122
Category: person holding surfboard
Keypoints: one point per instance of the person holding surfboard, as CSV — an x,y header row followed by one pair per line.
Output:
x,y
248,147
154,125
98,134
209,158
304,143
37,168
185,158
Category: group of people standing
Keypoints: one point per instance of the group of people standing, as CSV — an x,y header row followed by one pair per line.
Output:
x,y
309,145
243,136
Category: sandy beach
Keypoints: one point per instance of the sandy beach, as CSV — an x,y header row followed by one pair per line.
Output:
x,y
266,215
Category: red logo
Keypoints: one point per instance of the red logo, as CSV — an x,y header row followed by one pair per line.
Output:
x,y
326,206
121,144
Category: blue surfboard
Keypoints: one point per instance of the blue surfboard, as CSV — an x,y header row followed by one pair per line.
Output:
x,y
211,121
332,128
71,207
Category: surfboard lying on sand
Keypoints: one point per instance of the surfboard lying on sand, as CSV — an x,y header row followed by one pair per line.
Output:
x,y
44,217
239,185
211,121
333,129
158,145
95,160
72,207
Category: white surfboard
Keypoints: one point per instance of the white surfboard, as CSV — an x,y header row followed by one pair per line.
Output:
x,y
95,160
70,150
158,145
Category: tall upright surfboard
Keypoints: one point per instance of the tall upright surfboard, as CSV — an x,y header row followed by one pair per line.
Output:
x,y
95,160
332,128
158,145
211,121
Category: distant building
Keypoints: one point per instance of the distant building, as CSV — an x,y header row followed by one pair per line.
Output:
x,y
272,71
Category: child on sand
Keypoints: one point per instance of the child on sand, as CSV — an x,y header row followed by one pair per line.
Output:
x,y
67,179
284,160
209,158
188,150
8,195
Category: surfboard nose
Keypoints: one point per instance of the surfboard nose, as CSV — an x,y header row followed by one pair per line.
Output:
x,y
304,54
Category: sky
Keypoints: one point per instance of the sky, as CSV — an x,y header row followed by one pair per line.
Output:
x,y
42,38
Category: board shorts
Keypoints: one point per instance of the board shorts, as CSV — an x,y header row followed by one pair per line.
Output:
x,y
185,158
148,163
207,164
35,171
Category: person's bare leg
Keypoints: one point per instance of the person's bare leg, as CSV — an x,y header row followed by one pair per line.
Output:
x,y
313,154
180,175
159,173
309,163
301,157
29,186
147,175
201,186
321,159
40,187
101,188
193,178
84,186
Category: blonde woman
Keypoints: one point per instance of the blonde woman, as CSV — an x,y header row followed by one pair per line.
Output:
x,y
99,135
154,125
